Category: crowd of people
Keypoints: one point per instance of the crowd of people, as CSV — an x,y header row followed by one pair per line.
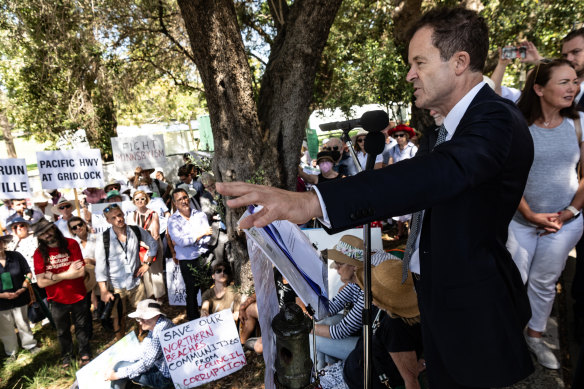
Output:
x,y
509,259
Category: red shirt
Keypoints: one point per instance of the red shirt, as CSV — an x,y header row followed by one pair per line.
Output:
x,y
65,291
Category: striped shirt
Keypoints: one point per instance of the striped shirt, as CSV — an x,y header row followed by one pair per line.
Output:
x,y
351,323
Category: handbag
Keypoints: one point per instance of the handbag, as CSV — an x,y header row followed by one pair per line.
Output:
x,y
35,311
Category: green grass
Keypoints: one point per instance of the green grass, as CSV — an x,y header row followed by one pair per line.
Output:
x,y
32,166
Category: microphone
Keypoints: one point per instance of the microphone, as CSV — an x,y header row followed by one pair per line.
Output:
x,y
374,145
370,121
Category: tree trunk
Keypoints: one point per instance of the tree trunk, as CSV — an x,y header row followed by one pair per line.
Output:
x,y
260,142
7,133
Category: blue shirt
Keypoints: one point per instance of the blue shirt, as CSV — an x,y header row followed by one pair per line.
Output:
x,y
150,353
184,233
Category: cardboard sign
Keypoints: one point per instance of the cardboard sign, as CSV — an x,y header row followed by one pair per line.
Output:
x,y
14,179
177,292
144,151
202,350
91,376
70,169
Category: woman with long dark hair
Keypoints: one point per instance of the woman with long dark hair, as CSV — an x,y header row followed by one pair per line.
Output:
x,y
547,224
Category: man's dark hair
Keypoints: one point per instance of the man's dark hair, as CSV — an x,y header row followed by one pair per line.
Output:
x,y
529,103
573,34
184,170
456,29
63,246
177,190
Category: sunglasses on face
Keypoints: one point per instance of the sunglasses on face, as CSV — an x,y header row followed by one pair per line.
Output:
x,y
140,199
334,148
398,135
110,207
360,140
219,271
66,206
76,226
17,226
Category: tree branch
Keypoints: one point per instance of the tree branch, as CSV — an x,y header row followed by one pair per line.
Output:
x,y
167,33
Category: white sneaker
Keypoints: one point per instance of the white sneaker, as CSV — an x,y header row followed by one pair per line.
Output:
x,y
544,355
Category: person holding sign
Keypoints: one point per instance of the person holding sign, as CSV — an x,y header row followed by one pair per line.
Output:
x,y
151,369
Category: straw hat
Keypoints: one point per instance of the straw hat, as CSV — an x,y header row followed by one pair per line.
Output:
x,y
146,309
89,277
388,291
111,183
41,197
349,250
62,201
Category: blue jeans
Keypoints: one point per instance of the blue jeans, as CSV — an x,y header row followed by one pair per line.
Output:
x,y
153,378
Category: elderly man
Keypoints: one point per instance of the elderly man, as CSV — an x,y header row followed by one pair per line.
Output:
x,y
468,178
190,232
150,369
117,262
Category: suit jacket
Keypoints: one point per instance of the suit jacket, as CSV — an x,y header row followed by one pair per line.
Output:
x,y
471,297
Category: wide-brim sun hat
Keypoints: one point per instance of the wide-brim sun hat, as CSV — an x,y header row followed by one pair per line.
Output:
x,y
402,128
388,291
41,197
348,250
146,309
62,201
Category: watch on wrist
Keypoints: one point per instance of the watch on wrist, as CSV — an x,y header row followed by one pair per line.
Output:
x,y
574,211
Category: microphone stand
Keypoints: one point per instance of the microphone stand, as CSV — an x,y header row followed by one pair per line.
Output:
x,y
366,317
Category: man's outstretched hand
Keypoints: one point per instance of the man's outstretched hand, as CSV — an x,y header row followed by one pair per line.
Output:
x,y
278,204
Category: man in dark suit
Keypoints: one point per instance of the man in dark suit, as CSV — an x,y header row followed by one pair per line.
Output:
x,y
573,51
469,179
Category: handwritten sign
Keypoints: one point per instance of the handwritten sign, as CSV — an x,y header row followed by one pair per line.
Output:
x,y
14,179
91,376
70,169
144,151
177,293
202,350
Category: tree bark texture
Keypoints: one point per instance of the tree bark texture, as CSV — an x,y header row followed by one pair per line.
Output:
x,y
257,141
7,133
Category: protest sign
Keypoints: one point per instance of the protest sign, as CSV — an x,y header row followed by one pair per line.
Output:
x,y
14,179
70,169
146,151
202,350
177,293
92,375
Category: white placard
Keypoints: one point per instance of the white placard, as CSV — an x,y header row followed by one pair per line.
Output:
x,y
70,169
145,151
177,292
202,350
14,179
92,375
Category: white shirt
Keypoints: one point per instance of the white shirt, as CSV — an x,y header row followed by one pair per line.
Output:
x,y
579,95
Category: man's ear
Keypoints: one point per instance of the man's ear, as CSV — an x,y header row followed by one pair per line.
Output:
x,y
461,60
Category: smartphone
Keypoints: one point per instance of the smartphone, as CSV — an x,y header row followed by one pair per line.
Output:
x,y
512,52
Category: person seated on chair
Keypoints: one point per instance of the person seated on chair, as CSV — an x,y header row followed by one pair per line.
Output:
x,y
150,369
221,295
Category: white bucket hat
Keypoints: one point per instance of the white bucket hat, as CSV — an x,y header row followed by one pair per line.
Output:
x,y
146,309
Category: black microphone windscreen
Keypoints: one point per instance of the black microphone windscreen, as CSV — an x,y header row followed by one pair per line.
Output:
x,y
329,126
374,120
375,142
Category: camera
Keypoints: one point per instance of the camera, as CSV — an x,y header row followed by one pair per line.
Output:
x,y
511,52
109,306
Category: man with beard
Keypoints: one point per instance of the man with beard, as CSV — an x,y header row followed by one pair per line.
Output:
x,y
58,265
